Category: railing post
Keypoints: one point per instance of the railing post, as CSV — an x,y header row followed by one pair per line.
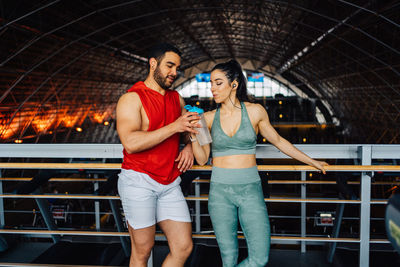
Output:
x,y
2,220
150,261
365,206
197,207
47,215
120,226
303,212
96,204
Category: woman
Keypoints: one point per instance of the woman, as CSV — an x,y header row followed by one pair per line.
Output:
x,y
235,190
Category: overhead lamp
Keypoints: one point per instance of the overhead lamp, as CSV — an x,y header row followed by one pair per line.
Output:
x,y
304,140
280,116
78,129
106,123
280,102
18,141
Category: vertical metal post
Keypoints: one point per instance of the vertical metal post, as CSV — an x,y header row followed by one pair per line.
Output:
x,y
365,206
303,212
2,220
120,226
97,204
150,261
47,215
336,230
197,207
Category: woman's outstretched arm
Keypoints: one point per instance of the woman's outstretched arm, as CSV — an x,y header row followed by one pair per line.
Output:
x,y
281,143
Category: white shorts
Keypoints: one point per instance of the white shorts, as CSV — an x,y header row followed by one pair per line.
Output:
x,y
145,201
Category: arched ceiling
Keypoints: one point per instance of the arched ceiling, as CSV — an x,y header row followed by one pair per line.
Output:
x,y
63,62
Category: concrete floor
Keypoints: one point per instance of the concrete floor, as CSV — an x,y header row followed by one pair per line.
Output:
x,y
208,256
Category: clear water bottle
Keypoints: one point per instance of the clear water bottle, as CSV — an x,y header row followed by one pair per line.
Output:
x,y
203,136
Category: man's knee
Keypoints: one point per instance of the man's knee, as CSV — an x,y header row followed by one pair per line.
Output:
x,y
142,250
183,248
186,247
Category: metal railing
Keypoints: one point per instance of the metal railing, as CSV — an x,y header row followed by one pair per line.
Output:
x,y
365,154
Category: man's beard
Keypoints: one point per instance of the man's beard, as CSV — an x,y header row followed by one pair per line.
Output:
x,y
162,81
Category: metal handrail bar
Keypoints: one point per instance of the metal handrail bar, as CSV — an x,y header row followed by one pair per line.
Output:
x,y
117,166
206,236
196,236
114,151
17,264
317,182
69,212
96,197
58,179
203,214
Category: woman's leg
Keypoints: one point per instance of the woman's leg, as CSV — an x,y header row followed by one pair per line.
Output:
x,y
224,219
254,220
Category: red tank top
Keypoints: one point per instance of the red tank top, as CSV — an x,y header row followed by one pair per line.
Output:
x,y
158,162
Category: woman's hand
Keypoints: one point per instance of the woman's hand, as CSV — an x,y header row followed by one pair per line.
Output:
x,y
320,165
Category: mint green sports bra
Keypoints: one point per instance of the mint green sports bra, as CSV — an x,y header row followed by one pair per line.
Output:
x,y
243,142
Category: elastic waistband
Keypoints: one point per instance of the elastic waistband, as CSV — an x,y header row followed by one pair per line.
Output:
x,y
234,176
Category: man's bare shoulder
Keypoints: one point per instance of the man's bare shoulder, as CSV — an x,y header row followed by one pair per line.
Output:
x,y
131,98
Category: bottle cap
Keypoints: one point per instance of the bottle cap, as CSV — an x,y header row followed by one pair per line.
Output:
x,y
194,109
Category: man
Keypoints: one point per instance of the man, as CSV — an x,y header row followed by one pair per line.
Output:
x,y
149,122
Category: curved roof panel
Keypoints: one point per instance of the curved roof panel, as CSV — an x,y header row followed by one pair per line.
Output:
x,y
73,59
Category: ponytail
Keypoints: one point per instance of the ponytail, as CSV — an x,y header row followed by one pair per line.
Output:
x,y
234,72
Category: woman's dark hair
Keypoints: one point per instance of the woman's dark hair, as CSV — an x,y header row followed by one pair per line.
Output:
x,y
233,71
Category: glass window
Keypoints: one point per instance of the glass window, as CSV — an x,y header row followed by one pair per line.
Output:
x,y
259,85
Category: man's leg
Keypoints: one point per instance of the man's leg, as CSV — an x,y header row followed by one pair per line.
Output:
x,y
179,236
138,199
142,241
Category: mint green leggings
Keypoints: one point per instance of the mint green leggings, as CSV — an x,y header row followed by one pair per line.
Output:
x,y
237,194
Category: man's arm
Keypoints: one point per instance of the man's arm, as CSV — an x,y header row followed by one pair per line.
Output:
x,y
185,158
129,123
185,136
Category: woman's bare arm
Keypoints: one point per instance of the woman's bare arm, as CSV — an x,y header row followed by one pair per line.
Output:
x,y
281,143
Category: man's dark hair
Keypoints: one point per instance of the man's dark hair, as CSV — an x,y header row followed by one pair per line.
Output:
x,y
158,51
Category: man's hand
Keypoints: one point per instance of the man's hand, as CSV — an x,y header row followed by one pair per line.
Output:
x,y
183,123
185,158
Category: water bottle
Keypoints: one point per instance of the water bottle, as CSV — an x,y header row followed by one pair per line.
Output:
x,y
203,136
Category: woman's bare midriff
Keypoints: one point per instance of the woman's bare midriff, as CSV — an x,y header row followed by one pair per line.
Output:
x,y
235,161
